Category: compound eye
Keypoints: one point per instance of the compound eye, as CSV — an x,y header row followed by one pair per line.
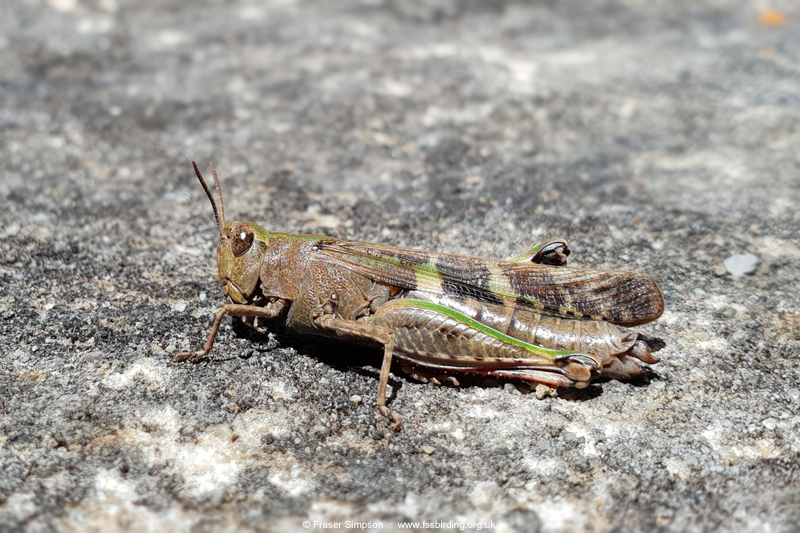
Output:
x,y
242,240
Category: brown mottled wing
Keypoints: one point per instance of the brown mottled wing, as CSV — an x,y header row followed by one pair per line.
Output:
x,y
622,298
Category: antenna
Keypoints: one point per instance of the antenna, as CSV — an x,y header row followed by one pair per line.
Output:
x,y
208,193
219,192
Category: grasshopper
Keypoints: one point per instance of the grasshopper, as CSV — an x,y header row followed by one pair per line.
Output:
x,y
440,315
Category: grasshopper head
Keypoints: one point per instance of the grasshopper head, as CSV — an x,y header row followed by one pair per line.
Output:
x,y
240,249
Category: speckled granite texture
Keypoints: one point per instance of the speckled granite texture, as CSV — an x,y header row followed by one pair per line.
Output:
x,y
660,138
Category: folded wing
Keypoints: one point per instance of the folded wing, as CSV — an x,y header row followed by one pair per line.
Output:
x,y
622,298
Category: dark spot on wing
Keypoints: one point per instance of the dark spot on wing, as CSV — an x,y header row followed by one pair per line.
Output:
x,y
466,278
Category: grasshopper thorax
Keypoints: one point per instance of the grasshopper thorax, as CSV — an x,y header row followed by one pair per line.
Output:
x,y
240,250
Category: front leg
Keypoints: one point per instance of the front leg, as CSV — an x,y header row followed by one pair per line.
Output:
x,y
375,333
553,252
272,310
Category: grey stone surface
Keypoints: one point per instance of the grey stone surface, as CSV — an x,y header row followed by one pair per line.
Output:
x,y
656,137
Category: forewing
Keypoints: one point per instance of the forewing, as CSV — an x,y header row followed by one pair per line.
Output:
x,y
620,297
623,298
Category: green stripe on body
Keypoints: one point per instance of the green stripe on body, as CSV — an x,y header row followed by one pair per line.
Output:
x,y
455,315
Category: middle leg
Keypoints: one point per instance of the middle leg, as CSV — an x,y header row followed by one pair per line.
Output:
x,y
375,333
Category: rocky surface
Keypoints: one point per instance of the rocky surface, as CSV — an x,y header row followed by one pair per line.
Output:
x,y
659,138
